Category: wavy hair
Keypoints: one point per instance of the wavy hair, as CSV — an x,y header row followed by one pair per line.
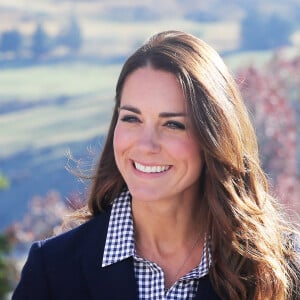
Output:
x,y
253,255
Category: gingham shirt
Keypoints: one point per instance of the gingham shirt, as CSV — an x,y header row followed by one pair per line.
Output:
x,y
120,245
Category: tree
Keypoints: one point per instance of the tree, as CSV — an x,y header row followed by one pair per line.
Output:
x,y
40,42
4,182
261,32
44,218
272,93
5,285
71,37
11,41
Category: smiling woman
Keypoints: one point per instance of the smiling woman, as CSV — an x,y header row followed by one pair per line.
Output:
x,y
155,148
179,207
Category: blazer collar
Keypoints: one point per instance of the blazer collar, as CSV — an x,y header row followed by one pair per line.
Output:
x,y
116,281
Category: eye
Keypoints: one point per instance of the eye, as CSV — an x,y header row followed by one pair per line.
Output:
x,y
175,125
130,119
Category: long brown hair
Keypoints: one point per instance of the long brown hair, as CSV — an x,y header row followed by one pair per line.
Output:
x,y
252,256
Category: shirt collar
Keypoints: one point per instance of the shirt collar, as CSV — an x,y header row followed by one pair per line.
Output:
x,y
120,244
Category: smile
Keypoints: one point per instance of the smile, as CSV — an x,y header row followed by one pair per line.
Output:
x,y
151,169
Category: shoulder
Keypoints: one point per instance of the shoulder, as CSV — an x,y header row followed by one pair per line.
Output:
x,y
74,240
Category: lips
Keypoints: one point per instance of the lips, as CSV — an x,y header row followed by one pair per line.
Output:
x,y
151,169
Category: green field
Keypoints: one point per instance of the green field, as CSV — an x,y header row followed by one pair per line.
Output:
x,y
87,92
37,83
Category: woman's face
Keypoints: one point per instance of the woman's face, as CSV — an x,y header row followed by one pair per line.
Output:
x,y
155,148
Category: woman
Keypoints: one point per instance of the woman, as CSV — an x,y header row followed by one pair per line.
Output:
x,y
179,207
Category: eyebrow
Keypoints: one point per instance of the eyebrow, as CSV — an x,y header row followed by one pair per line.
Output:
x,y
162,114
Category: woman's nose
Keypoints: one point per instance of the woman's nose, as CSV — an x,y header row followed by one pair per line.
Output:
x,y
149,140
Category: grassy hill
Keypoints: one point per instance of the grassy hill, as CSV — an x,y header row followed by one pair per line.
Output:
x,y
44,106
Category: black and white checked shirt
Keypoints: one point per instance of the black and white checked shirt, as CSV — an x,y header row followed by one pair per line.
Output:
x,y
150,277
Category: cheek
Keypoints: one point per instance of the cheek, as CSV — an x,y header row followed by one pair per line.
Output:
x,y
185,149
121,141
118,142
189,152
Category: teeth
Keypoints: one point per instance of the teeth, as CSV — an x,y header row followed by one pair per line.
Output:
x,y
151,169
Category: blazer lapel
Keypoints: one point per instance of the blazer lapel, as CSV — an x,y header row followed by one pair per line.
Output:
x,y
114,282
206,290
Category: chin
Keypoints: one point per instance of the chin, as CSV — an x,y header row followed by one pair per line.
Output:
x,y
144,194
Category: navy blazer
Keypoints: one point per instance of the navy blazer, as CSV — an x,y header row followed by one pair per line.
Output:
x,y
68,267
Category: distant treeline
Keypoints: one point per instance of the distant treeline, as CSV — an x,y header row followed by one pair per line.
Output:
x,y
258,31
40,44
261,32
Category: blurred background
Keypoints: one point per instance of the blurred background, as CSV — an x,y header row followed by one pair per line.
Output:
x,y
59,62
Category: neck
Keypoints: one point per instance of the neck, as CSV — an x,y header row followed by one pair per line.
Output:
x,y
169,234
166,226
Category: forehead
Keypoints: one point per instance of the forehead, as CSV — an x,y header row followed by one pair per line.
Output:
x,y
147,86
